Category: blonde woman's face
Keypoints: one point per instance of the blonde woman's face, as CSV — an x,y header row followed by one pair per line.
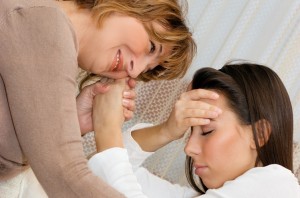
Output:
x,y
223,149
120,47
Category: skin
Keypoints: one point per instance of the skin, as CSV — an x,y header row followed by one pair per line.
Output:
x,y
108,117
187,111
112,50
223,149
85,100
119,37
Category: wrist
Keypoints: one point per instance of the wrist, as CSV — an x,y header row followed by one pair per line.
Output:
x,y
166,133
108,139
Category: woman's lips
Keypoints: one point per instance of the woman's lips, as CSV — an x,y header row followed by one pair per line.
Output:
x,y
199,169
117,64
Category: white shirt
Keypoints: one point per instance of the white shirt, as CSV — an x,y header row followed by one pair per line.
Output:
x,y
113,165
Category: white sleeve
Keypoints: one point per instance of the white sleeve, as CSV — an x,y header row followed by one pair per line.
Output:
x,y
154,186
112,165
136,155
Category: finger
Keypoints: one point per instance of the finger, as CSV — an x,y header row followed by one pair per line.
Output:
x,y
181,105
196,121
98,88
131,83
128,114
200,113
129,94
202,105
197,94
128,104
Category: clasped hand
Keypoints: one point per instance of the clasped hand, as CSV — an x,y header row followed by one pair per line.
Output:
x,y
86,98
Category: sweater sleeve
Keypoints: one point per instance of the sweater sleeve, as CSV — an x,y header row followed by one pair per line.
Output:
x,y
39,67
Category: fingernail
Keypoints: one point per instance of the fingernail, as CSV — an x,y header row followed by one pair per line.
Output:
x,y
215,95
126,93
125,102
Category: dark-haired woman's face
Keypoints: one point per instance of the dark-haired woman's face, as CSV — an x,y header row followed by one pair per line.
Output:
x,y
120,47
223,149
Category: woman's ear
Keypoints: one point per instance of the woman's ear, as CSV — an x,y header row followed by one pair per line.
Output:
x,y
263,132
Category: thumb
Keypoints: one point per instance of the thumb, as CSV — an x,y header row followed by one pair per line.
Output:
x,y
98,88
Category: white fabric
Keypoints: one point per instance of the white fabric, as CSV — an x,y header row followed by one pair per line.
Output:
x,y
11,188
114,167
136,155
25,185
30,187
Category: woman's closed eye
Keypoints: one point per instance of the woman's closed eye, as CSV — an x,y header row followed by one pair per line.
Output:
x,y
204,133
152,48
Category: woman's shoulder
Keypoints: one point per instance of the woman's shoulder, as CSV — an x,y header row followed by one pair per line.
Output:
x,y
36,23
21,10
10,6
270,172
270,181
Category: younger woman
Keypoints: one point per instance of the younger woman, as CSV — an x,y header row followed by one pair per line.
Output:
x,y
245,150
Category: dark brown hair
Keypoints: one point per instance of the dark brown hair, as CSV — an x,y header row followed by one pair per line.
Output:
x,y
254,93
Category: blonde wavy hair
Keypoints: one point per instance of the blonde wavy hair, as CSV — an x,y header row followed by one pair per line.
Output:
x,y
168,14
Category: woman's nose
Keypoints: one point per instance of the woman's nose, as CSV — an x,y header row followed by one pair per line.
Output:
x,y
192,146
136,67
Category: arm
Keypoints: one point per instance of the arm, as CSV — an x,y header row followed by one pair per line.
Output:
x,y
113,166
112,162
108,117
40,85
188,111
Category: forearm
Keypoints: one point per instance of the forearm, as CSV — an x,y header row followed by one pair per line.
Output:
x,y
152,138
108,139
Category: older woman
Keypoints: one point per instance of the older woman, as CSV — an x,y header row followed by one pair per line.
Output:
x,y
42,44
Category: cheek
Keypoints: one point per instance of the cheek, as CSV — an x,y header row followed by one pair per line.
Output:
x,y
135,37
219,148
138,41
